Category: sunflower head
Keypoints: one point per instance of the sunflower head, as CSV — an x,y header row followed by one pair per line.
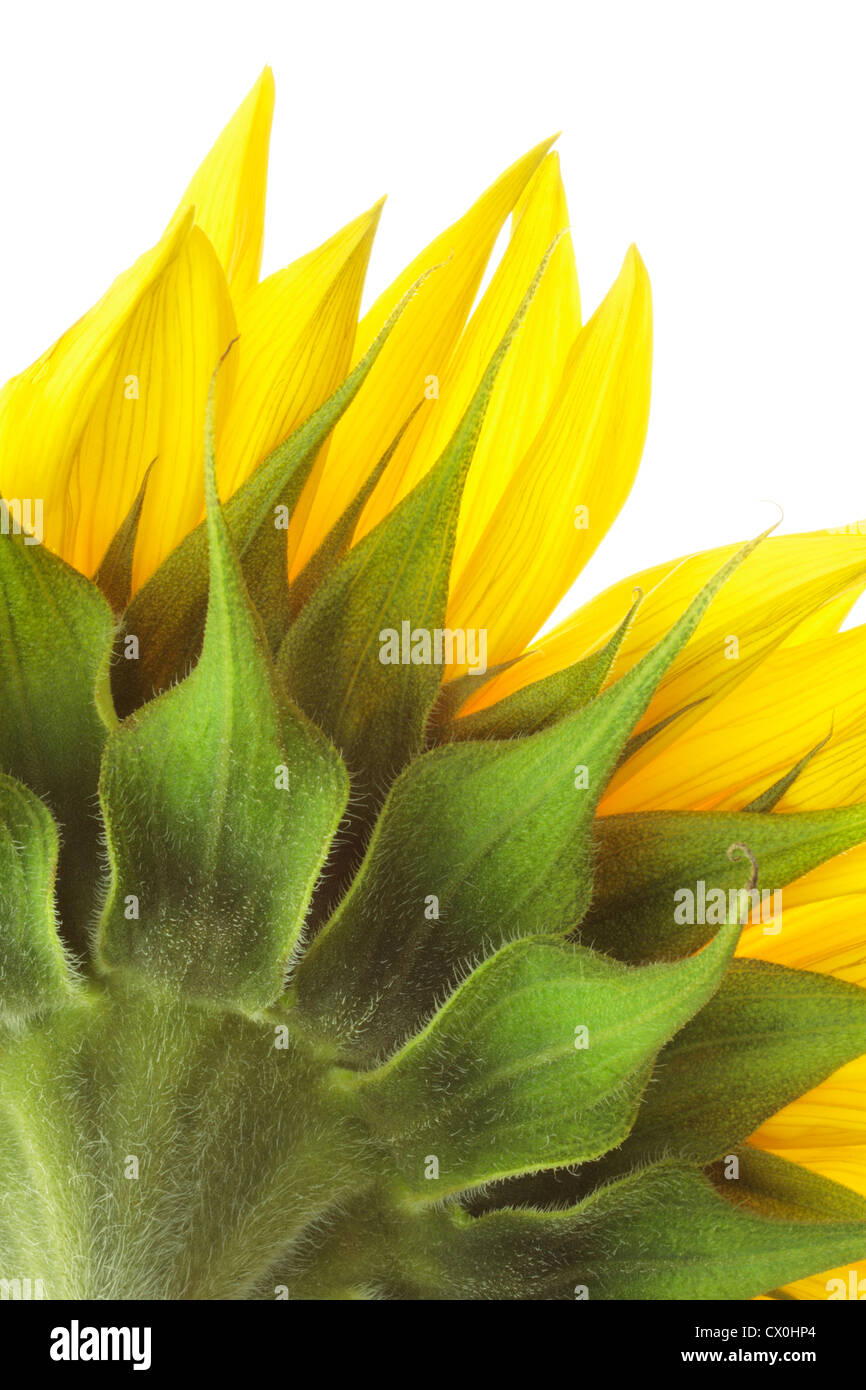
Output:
x,y
355,942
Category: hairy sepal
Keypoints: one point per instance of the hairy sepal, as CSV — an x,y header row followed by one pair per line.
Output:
x,y
477,844
220,801
553,1046
56,631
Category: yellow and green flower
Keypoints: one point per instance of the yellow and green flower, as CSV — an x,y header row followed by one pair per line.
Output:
x,y
354,941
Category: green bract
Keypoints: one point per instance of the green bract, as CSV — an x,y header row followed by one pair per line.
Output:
x,y
312,989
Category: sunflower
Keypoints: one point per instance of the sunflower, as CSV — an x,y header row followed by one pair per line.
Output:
x,y
356,940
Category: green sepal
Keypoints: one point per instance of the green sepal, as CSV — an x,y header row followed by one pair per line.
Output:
x,y
339,538
773,1186
545,702
453,696
552,1045
767,1036
167,614
773,795
637,741
664,1233
478,843
220,801
56,631
644,858
376,713
114,576
34,973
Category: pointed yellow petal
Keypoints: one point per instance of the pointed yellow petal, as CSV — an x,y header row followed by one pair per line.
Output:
x,y
528,379
572,482
297,331
584,632
44,410
152,406
790,582
825,1130
228,188
418,350
756,734
836,776
787,583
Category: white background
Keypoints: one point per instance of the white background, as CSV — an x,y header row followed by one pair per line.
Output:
x,y
727,140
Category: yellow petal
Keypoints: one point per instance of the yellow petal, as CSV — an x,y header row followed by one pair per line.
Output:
x,y
836,776
765,604
418,350
579,469
297,331
44,410
169,349
528,379
827,619
228,188
584,632
789,583
836,878
823,936
756,734
825,1130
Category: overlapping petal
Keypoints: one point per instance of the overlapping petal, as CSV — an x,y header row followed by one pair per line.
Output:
x,y
792,589
573,480
45,409
296,334
528,379
151,408
417,352
756,734
228,188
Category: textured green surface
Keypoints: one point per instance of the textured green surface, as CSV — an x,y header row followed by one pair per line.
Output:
x,y
360,1016
56,631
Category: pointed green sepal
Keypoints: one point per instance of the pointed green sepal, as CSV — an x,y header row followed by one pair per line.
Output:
x,y
552,1045
454,695
773,795
220,801
478,843
776,1187
114,576
167,614
637,741
665,1233
333,658
663,878
339,538
545,702
768,1035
